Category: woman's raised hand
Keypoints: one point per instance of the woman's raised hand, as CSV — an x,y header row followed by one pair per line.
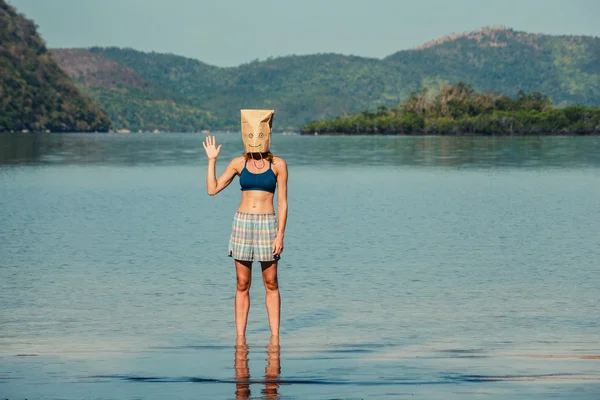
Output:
x,y
209,146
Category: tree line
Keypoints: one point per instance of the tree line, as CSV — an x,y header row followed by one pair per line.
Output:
x,y
460,110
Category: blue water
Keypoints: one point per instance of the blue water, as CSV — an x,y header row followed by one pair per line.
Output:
x,y
429,267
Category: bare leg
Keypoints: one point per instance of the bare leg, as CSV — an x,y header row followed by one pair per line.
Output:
x,y
272,298
243,271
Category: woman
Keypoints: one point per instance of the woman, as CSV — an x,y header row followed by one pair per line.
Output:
x,y
257,234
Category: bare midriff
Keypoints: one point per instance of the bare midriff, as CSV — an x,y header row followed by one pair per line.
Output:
x,y
256,202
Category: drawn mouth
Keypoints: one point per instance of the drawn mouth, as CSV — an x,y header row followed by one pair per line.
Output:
x,y
255,146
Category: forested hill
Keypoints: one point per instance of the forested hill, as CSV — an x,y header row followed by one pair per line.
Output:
x,y
566,68
131,101
314,87
35,94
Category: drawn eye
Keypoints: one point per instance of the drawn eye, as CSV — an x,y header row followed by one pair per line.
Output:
x,y
260,135
250,135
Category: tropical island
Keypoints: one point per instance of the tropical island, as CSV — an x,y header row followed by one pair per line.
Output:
x,y
460,110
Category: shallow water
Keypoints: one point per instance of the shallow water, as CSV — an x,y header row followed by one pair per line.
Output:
x,y
428,266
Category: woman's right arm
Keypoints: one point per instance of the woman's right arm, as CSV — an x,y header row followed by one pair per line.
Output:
x,y
214,185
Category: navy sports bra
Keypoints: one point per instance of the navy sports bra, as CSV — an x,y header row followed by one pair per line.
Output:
x,y
265,181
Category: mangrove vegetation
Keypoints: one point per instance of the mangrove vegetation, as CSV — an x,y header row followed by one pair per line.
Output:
x,y
460,110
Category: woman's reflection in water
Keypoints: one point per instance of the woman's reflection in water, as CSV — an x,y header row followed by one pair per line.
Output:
x,y
242,371
272,370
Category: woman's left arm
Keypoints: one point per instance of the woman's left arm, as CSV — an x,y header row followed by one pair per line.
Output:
x,y
282,205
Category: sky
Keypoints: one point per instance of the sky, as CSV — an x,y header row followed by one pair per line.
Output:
x,y
233,32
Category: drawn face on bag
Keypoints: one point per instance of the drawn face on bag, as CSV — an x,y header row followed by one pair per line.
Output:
x,y
256,130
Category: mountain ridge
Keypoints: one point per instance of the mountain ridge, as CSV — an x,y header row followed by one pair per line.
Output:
x,y
430,43
475,35
319,86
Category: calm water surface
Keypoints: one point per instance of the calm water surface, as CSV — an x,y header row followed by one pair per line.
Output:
x,y
421,267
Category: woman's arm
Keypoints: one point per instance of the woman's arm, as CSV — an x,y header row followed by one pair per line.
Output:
x,y
282,205
214,185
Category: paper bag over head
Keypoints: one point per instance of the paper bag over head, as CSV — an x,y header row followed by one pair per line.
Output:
x,y
256,130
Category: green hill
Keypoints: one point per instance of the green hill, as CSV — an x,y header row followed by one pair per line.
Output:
x,y
300,88
131,101
35,94
566,68
315,87
322,86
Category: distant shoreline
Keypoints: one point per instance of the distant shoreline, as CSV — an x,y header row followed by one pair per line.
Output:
x,y
463,134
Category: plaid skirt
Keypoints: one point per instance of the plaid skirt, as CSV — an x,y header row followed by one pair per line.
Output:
x,y
252,237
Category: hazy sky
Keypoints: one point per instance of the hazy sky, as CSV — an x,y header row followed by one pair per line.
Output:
x,y
231,32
